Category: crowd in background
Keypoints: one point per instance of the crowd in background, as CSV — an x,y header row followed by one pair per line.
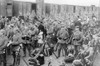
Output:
x,y
14,28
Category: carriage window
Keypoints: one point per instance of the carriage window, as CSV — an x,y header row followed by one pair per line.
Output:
x,y
59,8
84,8
74,8
34,7
9,3
47,9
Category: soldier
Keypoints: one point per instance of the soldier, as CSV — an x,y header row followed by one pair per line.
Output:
x,y
27,41
62,40
77,39
10,31
33,34
3,44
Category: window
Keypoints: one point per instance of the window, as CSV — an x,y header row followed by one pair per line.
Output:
x,y
59,8
9,3
47,9
84,8
74,9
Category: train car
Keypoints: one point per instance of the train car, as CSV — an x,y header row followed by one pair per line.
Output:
x,y
6,7
21,8
3,7
15,8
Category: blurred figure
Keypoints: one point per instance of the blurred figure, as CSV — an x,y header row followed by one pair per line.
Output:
x,y
62,40
77,39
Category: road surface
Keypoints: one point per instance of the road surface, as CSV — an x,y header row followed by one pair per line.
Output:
x,y
55,62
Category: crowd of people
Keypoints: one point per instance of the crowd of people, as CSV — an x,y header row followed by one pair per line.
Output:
x,y
43,36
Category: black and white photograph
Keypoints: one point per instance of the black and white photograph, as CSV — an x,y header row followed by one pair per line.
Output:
x,y
49,32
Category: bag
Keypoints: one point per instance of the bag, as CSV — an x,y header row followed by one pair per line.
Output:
x,y
77,63
3,42
69,59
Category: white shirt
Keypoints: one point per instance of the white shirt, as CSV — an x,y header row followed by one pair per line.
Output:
x,y
40,36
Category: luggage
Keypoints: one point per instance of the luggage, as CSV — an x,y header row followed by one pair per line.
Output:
x,y
3,42
69,58
40,59
77,63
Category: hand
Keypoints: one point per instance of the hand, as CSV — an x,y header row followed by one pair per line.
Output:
x,y
21,46
86,58
38,62
9,43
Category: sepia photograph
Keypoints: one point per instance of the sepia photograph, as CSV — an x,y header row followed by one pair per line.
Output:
x,y
49,32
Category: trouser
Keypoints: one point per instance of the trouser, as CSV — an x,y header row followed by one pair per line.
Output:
x,y
35,44
77,48
16,57
51,50
9,50
62,47
3,59
48,51
56,47
98,48
16,54
28,47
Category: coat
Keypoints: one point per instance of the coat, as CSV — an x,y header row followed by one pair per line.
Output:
x,y
3,42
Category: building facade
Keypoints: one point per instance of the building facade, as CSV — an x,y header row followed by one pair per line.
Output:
x,y
54,9
15,8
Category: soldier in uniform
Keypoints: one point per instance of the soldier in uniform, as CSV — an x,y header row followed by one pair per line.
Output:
x,y
62,40
77,38
3,44
27,41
